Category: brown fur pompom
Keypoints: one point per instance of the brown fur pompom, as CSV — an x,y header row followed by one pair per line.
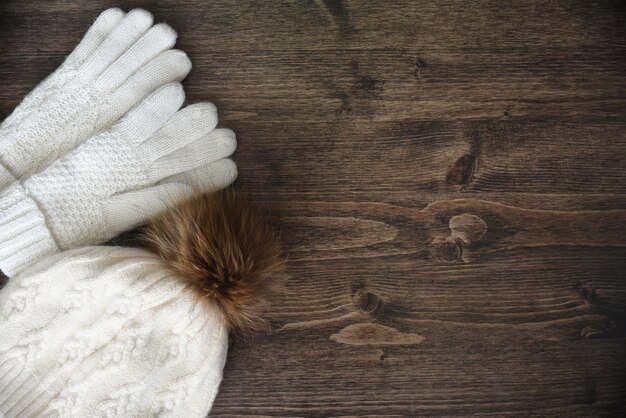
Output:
x,y
226,249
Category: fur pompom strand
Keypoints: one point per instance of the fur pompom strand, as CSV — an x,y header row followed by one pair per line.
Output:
x,y
226,249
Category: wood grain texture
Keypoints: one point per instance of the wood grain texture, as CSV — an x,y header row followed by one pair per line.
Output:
x,y
450,181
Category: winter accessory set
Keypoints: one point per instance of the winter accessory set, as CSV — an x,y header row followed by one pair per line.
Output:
x,y
102,146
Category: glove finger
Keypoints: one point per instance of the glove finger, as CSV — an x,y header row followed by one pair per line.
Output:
x,y
131,209
170,66
218,144
207,178
186,126
148,116
98,32
125,34
158,39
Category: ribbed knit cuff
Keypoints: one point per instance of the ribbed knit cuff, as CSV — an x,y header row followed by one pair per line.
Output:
x,y
24,236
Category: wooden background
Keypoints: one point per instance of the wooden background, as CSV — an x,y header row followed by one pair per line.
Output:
x,y
450,181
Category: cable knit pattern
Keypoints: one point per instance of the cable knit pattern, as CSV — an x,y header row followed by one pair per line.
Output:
x,y
109,72
67,118
49,87
107,332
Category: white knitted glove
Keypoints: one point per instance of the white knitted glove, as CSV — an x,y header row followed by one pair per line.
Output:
x,y
152,158
121,59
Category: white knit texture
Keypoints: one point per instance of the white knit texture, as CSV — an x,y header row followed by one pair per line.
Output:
x,y
80,191
121,59
154,157
24,235
107,332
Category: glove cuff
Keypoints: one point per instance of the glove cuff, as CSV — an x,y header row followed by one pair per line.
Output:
x,y
24,235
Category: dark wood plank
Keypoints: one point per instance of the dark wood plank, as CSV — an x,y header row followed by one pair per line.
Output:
x,y
461,230
516,335
477,156
450,181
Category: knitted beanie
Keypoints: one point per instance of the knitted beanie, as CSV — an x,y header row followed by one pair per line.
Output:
x,y
121,332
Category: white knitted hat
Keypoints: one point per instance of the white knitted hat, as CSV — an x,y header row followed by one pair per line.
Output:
x,y
121,332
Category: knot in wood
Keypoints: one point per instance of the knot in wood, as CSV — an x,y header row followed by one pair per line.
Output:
x,y
369,303
462,171
448,251
587,293
467,227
